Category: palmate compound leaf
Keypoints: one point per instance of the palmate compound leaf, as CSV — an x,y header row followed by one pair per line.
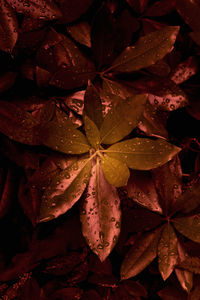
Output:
x,y
115,171
147,51
189,227
167,251
122,119
65,190
8,27
64,138
92,132
100,214
140,255
143,153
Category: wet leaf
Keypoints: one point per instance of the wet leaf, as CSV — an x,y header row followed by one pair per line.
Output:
x,y
140,255
81,33
189,227
8,27
92,105
92,132
147,51
122,119
184,275
143,153
45,10
114,87
65,190
18,124
142,190
190,12
75,101
64,138
115,171
168,183
189,200
192,264
185,70
100,214
167,251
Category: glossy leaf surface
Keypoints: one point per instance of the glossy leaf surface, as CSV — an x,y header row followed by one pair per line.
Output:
x,y
167,251
189,227
64,138
147,51
143,153
140,255
65,190
92,132
115,171
101,215
122,119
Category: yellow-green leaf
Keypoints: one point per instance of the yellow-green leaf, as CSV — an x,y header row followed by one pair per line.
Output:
x,y
100,214
167,251
65,190
64,138
189,227
122,119
143,153
115,171
147,51
92,132
140,255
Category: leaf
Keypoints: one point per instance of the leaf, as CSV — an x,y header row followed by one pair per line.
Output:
x,y
138,5
195,36
100,214
161,8
92,105
185,70
18,124
147,51
168,183
184,275
143,153
142,190
116,88
64,138
65,190
122,119
115,171
74,68
189,227
140,255
80,32
190,12
75,101
92,132
167,251
72,10
8,27
192,264
45,9
189,200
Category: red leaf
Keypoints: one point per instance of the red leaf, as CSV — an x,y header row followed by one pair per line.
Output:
x,y
43,9
8,27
